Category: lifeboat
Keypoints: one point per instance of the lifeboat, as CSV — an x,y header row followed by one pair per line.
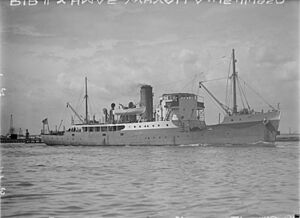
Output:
x,y
130,111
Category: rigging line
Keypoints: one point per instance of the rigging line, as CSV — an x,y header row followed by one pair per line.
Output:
x,y
258,94
215,103
76,109
62,115
81,96
243,93
93,108
228,91
229,94
214,79
97,110
244,90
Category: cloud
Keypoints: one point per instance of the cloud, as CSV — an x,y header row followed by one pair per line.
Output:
x,y
50,56
271,53
121,47
24,31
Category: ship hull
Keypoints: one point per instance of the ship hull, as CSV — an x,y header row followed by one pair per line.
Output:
x,y
226,133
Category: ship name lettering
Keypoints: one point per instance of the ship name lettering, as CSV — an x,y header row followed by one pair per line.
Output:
x,y
25,2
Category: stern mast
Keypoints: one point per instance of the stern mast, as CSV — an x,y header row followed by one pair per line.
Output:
x,y
234,75
86,102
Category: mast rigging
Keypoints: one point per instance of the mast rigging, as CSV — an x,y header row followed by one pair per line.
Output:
x,y
74,111
234,75
223,106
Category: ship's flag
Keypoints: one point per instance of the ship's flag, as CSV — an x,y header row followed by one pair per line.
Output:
x,y
45,121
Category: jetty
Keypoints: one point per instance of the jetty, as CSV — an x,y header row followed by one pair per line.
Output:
x,y
288,138
18,137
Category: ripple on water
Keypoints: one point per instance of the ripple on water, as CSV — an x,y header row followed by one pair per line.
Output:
x,y
166,181
25,184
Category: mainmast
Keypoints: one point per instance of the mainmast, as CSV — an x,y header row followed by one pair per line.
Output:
x,y
234,75
86,102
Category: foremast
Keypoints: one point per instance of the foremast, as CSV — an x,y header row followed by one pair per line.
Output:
x,y
86,103
234,75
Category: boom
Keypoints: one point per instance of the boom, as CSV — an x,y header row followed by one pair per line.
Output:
x,y
223,106
77,115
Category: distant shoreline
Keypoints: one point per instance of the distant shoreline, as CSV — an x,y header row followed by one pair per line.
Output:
x,y
288,137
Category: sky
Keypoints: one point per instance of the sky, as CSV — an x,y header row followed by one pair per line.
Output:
x,y
47,50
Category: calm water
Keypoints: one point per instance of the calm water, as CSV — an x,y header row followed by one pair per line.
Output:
x,y
187,181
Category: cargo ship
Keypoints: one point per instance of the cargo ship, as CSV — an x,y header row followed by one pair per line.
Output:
x,y
177,120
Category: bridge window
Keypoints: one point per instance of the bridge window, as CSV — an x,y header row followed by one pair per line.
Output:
x,y
84,129
112,128
97,129
103,128
91,129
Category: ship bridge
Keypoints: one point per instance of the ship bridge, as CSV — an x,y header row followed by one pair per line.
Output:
x,y
180,106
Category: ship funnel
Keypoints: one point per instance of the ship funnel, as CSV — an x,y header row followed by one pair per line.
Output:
x,y
147,101
111,113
